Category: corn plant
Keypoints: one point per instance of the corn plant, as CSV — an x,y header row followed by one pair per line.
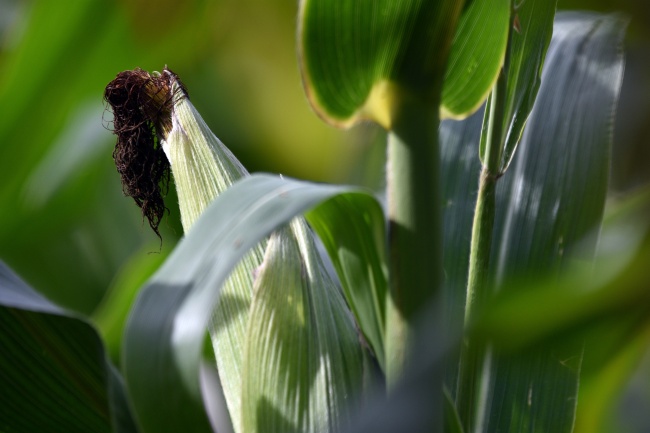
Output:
x,y
475,300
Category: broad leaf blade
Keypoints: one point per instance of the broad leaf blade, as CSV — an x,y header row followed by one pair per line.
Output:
x,y
303,364
555,195
552,205
357,247
583,296
166,330
606,307
546,205
358,59
476,56
54,373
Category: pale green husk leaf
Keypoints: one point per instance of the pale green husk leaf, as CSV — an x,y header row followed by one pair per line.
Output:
x,y
303,364
203,168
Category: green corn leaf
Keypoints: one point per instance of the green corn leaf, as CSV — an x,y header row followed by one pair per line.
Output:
x,y
570,204
54,373
547,205
303,364
452,419
525,56
362,60
476,56
568,147
606,307
357,248
612,285
166,330
203,168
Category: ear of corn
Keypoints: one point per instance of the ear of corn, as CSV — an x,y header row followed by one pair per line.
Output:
x,y
304,375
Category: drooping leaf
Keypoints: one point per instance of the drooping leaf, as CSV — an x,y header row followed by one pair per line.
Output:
x,y
303,363
361,60
166,330
54,373
476,56
357,247
547,204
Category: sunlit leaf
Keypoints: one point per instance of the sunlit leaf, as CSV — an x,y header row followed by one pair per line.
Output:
x,y
361,60
476,56
203,168
303,363
357,248
555,200
610,287
166,330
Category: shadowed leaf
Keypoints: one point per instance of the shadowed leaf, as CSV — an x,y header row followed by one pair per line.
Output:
x,y
54,373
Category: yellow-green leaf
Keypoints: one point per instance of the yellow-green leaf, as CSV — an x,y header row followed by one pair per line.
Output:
x,y
362,59
476,56
303,364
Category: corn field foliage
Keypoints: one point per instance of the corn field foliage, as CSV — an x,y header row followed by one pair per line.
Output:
x,y
473,272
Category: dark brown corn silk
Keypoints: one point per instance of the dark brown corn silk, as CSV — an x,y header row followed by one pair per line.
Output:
x,y
142,108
